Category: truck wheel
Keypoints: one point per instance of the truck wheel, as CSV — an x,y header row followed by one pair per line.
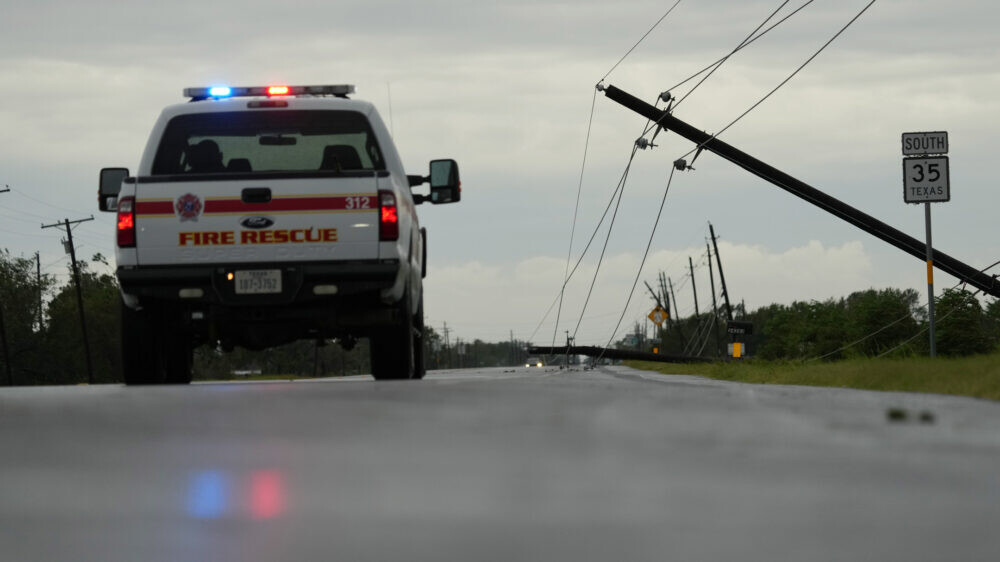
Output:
x,y
155,348
138,347
392,349
419,342
175,346
178,358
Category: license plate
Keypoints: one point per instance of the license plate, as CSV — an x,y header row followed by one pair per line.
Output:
x,y
258,281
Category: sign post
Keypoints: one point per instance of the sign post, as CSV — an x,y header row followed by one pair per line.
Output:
x,y
926,180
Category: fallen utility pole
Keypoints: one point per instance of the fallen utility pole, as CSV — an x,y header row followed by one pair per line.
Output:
x,y
623,354
869,224
68,225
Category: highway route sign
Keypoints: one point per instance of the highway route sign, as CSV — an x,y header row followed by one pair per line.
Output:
x,y
926,179
925,144
659,316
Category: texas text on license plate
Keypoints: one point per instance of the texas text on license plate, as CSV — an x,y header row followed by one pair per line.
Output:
x,y
258,281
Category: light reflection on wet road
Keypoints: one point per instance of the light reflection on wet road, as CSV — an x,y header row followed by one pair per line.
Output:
x,y
494,465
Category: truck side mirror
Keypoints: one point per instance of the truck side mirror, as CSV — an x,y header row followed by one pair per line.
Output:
x,y
110,185
445,185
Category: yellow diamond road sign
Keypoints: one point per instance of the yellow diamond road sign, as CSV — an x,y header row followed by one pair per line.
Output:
x,y
658,316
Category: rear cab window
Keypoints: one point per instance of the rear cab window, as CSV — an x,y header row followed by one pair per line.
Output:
x,y
268,141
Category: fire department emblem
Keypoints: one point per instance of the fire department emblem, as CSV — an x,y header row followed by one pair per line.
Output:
x,y
188,207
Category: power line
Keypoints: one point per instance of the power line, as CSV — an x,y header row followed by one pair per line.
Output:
x,y
742,44
583,254
785,81
893,323
36,200
741,47
667,13
576,209
611,226
638,273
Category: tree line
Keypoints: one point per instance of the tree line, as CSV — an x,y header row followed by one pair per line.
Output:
x,y
867,323
44,344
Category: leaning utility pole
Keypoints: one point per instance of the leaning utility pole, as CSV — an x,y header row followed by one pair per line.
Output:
x,y
722,277
715,304
673,299
841,210
68,225
694,287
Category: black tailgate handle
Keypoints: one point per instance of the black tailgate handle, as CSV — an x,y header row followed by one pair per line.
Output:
x,y
256,195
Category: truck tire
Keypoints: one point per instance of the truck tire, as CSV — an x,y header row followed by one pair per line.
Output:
x,y
138,347
392,348
419,343
155,347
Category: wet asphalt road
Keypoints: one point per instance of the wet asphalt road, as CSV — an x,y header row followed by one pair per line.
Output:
x,y
495,465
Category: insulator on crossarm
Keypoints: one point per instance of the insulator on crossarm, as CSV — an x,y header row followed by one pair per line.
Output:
x,y
643,143
682,165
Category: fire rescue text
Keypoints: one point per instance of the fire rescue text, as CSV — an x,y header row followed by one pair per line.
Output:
x,y
229,238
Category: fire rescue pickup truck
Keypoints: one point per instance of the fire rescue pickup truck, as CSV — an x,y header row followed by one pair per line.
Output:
x,y
264,215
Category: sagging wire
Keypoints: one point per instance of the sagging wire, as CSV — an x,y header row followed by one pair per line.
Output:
x,y
638,274
576,209
611,226
629,52
897,321
783,82
742,44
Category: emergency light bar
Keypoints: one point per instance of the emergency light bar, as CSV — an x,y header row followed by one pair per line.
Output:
x,y
340,90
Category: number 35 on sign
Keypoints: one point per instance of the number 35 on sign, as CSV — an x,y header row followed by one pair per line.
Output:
x,y
925,179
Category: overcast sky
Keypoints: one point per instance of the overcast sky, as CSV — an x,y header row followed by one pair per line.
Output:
x,y
505,88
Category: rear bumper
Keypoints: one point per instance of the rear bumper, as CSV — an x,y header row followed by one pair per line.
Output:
x,y
210,284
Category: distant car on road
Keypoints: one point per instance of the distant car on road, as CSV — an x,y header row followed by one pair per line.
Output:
x,y
533,362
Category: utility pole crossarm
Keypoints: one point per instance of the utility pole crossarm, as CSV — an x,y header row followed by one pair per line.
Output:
x,y
865,222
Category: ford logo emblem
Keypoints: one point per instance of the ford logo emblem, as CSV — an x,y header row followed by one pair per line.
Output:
x,y
256,222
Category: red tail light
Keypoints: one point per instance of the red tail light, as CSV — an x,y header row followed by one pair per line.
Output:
x,y
388,226
126,222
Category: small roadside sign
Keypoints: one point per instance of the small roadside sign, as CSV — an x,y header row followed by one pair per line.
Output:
x,y
925,144
658,316
739,328
926,180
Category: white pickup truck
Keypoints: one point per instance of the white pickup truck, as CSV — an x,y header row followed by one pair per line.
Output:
x,y
265,215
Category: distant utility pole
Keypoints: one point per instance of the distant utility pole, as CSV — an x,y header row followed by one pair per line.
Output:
x,y
693,287
68,225
38,281
3,330
447,346
722,276
6,351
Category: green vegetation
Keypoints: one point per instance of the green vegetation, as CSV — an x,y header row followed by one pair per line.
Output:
x,y
977,376
45,343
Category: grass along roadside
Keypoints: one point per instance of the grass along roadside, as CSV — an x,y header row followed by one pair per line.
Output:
x,y
977,376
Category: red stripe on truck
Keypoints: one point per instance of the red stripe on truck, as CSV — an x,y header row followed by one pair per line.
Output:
x,y
276,205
